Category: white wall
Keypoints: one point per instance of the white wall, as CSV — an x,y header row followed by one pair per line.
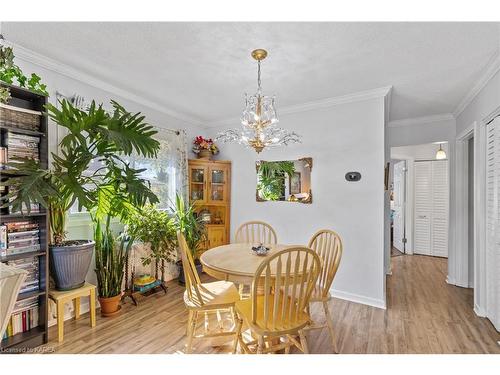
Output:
x,y
485,102
418,152
79,226
419,133
342,138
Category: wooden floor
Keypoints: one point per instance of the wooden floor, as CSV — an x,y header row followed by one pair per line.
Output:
x,y
424,315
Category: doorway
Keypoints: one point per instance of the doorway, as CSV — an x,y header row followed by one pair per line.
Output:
x,y
420,194
398,209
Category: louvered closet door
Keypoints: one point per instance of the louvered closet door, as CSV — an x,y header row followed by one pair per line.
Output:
x,y
493,222
439,216
423,207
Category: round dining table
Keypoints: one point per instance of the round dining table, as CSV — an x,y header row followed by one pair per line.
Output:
x,y
236,262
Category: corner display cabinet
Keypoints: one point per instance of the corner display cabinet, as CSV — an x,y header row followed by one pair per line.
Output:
x,y
210,191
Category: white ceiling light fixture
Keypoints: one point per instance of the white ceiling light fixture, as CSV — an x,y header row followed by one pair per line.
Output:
x,y
440,154
259,120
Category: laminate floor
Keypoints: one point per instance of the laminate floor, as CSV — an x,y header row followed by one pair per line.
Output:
x,y
424,315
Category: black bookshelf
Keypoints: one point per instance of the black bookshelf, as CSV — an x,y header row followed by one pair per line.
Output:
x,y
21,342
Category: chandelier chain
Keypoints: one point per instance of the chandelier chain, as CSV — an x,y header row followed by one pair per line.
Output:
x,y
258,78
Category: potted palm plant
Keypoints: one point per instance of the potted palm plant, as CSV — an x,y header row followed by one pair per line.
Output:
x,y
89,171
194,230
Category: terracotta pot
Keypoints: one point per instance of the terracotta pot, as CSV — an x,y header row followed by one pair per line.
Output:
x,y
110,306
205,154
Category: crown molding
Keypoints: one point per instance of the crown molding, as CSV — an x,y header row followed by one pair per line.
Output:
x,y
318,104
421,120
491,69
48,63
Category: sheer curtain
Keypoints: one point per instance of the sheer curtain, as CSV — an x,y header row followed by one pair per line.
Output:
x,y
167,173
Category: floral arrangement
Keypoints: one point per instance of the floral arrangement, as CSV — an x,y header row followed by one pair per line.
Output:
x,y
201,143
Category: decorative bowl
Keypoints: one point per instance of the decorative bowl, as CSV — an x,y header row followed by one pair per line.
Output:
x,y
260,250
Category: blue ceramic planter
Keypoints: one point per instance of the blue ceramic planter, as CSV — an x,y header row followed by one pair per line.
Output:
x,y
70,263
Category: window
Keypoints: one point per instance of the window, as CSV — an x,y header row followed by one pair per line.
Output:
x,y
166,174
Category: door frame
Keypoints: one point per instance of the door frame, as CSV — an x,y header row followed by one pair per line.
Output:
x,y
410,200
461,258
404,203
478,130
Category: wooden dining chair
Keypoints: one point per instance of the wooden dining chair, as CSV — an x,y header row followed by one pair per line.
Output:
x,y
214,297
256,232
328,245
277,308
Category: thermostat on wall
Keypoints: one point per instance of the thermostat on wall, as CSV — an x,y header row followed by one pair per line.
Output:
x,y
353,176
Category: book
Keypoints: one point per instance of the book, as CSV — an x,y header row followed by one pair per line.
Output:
x,y
22,250
22,321
32,281
3,240
20,226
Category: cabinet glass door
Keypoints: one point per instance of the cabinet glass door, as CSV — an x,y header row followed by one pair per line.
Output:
x,y
218,187
197,179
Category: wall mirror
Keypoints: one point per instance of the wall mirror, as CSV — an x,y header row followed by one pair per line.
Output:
x,y
287,180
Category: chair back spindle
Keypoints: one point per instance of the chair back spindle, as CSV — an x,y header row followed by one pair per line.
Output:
x,y
193,282
287,279
256,232
328,245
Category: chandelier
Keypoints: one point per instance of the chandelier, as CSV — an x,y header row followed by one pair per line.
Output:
x,y
259,120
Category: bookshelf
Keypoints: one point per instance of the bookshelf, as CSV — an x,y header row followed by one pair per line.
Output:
x,y
34,333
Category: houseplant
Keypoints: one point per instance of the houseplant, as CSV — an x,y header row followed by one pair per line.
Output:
x,y
194,230
110,259
204,148
112,189
157,228
10,73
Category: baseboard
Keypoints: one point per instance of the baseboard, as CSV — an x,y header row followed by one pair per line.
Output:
x,y
453,282
378,303
479,311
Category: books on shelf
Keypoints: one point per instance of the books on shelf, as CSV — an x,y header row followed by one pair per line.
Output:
x,y
3,240
34,207
22,320
30,265
20,118
24,135
19,237
3,157
22,146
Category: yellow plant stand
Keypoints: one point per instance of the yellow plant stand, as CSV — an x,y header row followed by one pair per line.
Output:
x,y
62,297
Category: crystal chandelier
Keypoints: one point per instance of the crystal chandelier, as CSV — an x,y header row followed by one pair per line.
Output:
x,y
259,120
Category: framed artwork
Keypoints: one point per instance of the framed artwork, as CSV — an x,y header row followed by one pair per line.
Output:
x,y
295,187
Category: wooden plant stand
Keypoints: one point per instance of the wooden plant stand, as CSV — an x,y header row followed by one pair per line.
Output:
x,y
129,283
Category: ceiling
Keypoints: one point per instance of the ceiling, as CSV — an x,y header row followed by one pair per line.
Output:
x,y
202,70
